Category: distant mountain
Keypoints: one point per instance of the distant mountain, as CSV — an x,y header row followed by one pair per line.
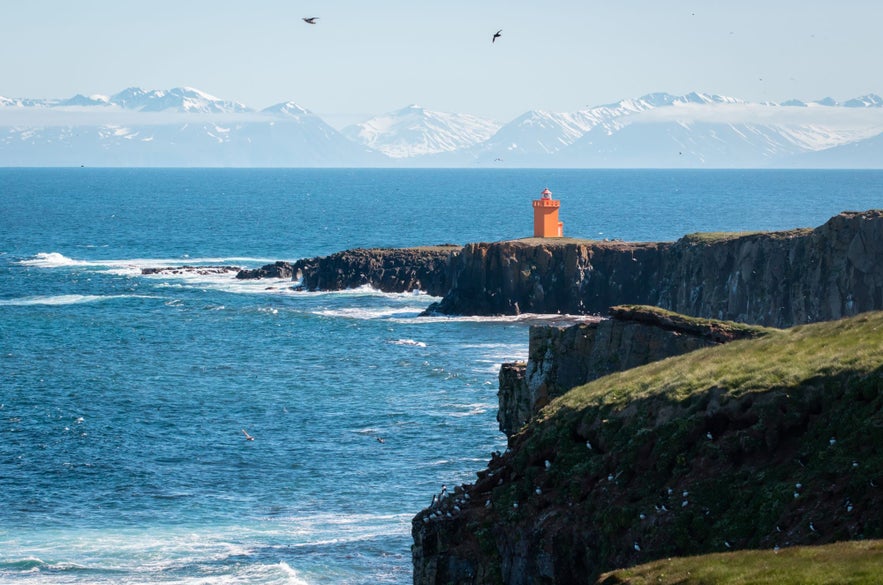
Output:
x,y
179,99
176,127
416,131
187,127
693,130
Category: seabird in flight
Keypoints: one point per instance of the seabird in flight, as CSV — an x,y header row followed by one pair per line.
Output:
x,y
497,35
311,19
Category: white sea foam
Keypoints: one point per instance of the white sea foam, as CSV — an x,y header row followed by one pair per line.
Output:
x,y
58,300
409,342
470,409
130,265
52,260
526,318
392,313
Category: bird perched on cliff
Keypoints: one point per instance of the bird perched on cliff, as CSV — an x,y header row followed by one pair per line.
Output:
x,y
247,436
310,19
497,35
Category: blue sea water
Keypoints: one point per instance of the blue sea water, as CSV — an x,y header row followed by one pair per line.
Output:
x,y
123,397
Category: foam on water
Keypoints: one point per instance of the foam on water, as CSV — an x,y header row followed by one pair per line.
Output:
x,y
52,260
135,265
220,555
58,300
408,342
123,460
392,313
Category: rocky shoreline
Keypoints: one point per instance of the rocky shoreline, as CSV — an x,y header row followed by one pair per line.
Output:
x,y
713,450
683,424
777,279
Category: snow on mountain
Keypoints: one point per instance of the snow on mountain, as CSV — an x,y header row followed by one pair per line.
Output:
x,y
866,101
188,127
287,110
544,134
415,131
864,154
178,99
695,129
82,100
177,127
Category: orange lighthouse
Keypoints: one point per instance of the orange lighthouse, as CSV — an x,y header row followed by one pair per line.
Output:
x,y
545,217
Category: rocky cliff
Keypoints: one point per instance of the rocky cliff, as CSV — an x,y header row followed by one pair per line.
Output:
x,y
777,279
759,443
561,358
423,268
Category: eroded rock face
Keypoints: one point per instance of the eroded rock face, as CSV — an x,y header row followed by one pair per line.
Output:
x,y
388,269
561,358
777,279
604,482
278,269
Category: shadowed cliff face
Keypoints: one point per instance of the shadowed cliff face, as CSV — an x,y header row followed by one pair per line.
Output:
x,y
753,444
388,269
551,276
777,279
561,358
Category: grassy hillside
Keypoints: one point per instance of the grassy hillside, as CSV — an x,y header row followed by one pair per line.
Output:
x,y
846,563
755,444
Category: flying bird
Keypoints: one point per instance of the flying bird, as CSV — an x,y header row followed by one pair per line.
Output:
x,y
497,35
247,436
311,19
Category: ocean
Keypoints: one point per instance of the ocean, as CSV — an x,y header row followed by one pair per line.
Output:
x,y
127,400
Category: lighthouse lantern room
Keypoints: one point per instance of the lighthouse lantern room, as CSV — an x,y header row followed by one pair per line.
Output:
x,y
545,217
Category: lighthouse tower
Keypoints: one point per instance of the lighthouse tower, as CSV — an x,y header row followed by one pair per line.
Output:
x,y
545,217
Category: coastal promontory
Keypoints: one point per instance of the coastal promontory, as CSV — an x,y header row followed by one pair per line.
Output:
x,y
776,279
761,443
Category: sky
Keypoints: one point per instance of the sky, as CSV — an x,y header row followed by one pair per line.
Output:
x,y
367,58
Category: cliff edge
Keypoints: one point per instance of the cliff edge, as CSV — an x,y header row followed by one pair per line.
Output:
x,y
563,357
776,279
397,270
758,443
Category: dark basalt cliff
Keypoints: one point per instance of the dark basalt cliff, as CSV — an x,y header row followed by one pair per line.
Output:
x,y
777,279
424,268
759,443
561,358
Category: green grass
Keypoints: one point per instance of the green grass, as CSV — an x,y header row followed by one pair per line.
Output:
x,y
664,317
717,237
737,426
780,359
845,563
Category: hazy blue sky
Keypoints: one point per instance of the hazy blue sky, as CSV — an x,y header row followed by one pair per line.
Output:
x,y
367,58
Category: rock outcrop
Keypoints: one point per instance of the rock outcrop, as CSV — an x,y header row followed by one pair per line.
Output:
x,y
279,269
760,443
424,268
561,358
776,279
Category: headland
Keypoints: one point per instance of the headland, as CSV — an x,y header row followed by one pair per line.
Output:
x,y
732,401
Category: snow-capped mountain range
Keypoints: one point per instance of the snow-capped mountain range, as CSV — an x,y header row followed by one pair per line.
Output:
x,y
416,131
187,127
